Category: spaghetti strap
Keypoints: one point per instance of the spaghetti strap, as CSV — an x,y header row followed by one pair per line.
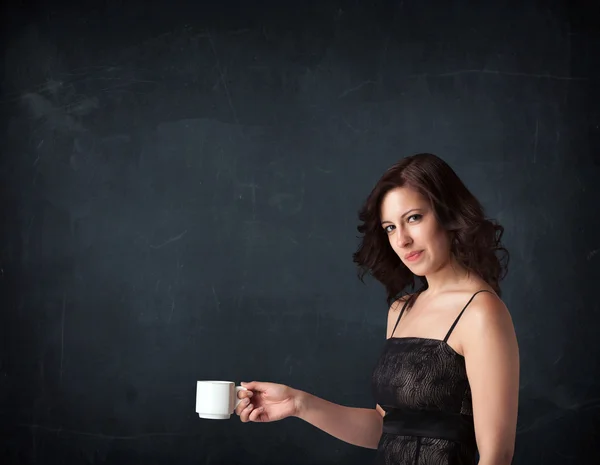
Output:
x,y
400,316
460,314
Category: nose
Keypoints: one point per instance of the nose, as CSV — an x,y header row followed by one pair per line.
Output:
x,y
402,238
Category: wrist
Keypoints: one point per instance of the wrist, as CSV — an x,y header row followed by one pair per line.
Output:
x,y
300,399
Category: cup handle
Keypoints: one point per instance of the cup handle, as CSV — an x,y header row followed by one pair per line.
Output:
x,y
237,399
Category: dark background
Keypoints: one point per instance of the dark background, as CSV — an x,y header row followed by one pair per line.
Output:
x,y
180,189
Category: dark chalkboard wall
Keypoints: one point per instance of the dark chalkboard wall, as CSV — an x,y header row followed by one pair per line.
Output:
x,y
180,193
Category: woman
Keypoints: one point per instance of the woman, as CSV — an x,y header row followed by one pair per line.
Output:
x,y
447,381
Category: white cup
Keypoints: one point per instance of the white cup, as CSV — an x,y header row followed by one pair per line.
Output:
x,y
216,400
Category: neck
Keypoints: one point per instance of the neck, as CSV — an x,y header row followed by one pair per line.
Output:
x,y
449,276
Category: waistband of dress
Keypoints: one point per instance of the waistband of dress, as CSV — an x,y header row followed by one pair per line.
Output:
x,y
430,424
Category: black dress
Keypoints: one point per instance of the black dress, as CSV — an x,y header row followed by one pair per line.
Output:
x,y
422,385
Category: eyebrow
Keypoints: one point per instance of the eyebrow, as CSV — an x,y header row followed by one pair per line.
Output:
x,y
403,215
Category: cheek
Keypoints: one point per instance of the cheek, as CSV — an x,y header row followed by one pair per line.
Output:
x,y
435,238
442,243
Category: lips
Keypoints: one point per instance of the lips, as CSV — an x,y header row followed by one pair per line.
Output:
x,y
413,255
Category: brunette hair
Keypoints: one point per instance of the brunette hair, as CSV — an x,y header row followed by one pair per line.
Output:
x,y
475,240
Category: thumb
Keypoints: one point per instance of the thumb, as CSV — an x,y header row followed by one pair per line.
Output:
x,y
255,386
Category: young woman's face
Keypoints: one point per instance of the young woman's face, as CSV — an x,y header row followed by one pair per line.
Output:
x,y
413,231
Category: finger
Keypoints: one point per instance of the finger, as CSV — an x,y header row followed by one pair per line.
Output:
x,y
243,394
255,415
245,416
241,406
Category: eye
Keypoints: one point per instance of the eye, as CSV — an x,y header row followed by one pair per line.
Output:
x,y
416,216
389,228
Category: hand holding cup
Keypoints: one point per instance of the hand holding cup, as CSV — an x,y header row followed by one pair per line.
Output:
x,y
265,402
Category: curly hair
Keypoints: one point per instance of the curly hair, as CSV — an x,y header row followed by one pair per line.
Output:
x,y
475,240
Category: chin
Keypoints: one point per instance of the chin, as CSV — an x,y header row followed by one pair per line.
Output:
x,y
416,269
417,273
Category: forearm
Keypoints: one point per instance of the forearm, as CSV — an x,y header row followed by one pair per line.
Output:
x,y
358,426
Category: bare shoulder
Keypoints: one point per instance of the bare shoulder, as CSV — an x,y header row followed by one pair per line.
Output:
x,y
487,317
397,304
394,313
487,310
